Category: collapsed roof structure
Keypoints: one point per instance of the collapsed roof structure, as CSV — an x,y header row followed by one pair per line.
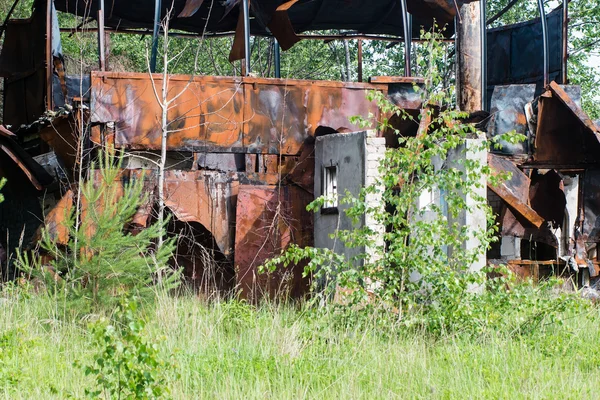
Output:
x,y
240,149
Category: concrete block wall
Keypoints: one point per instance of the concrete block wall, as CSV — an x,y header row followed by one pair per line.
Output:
x,y
357,156
375,151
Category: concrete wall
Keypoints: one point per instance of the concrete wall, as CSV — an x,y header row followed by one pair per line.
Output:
x,y
474,218
357,156
347,152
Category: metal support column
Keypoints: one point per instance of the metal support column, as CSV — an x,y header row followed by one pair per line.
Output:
x,y
407,37
157,12
545,40
101,37
246,11
277,57
565,46
360,61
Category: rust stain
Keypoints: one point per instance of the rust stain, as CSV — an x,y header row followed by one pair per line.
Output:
x,y
269,218
55,221
221,114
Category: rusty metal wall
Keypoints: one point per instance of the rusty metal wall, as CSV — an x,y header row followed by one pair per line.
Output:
x,y
269,218
240,115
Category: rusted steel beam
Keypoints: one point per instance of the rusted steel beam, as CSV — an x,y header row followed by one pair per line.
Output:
x,y
484,67
469,90
22,166
360,60
515,191
155,32
347,36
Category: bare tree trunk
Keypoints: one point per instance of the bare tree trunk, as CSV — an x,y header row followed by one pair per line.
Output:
x,y
164,104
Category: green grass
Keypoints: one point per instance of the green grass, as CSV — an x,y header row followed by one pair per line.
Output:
x,y
234,351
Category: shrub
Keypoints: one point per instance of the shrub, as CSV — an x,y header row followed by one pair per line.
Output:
x,y
127,365
426,243
102,260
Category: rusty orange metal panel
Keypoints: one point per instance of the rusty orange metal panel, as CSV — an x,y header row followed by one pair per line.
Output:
x,y
206,112
244,115
269,218
206,197
55,221
276,118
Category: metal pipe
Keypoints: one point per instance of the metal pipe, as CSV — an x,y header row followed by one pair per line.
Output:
x,y
101,44
49,59
405,24
502,12
156,29
565,49
277,59
389,39
483,14
246,11
545,40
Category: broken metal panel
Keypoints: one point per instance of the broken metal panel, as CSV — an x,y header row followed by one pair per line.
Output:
x,y
33,171
73,87
206,197
62,136
574,105
515,53
508,114
514,191
282,18
565,135
22,64
514,224
547,196
239,115
269,218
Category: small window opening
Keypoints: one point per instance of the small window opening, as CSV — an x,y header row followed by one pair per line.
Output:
x,y
330,189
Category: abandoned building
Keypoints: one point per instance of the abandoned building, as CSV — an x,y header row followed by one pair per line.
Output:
x,y
242,162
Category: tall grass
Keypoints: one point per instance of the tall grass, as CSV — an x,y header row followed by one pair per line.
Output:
x,y
231,350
